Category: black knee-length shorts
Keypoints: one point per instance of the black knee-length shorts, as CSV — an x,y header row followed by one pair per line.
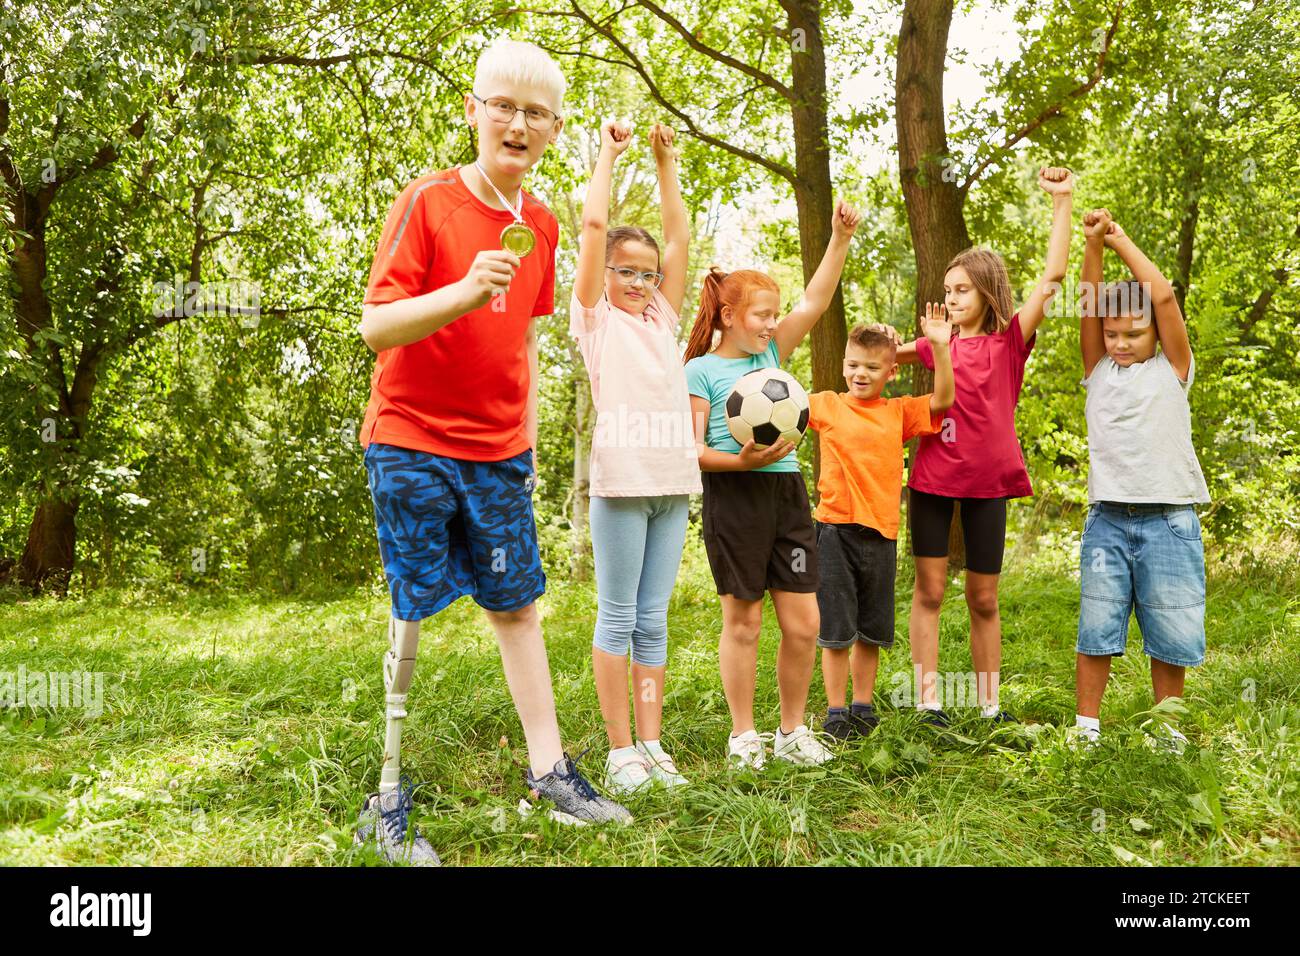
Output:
x,y
758,533
983,525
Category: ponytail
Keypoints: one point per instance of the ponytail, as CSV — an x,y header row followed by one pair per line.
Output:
x,y
722,290
709,317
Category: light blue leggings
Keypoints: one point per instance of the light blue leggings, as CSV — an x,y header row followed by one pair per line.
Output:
x,y
637,544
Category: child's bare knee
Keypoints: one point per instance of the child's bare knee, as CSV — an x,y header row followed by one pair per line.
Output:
x,y
744,630
983,602
928,597
516,618
802,635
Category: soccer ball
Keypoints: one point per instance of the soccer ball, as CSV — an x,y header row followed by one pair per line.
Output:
x,y
767,405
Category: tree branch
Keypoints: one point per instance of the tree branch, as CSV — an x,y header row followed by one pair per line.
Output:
x,y
274,58
1051,111
634,63
107,154
765,78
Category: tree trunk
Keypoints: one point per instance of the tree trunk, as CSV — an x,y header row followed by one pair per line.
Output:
x,y
46,563
1187,225
814,194
931,194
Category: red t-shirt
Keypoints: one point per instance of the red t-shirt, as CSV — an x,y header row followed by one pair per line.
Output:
x,y
462,391
976,453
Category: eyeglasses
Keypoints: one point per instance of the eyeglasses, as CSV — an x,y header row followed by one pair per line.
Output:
x,y
503,111
629,276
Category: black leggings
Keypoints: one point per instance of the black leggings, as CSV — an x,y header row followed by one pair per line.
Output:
x,y
983,525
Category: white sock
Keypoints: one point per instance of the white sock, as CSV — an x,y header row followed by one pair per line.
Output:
x,y
1088,723
652,746
990,710
933,706
622,752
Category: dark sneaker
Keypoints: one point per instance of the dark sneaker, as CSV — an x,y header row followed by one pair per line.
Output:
x,y
385,818
576,801
1002,717
863,721
838,726
936,718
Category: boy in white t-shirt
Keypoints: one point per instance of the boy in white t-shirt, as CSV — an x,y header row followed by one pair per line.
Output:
x,y
1141,549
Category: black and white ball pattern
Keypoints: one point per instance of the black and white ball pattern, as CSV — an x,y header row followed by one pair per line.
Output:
x,y
766,405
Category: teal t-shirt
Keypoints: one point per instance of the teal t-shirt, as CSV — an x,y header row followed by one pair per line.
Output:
x,y
711,377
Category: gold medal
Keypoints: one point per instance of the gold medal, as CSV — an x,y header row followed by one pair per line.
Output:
x,y
518,238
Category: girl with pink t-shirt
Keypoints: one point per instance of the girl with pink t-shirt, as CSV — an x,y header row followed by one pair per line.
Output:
x,y
644,463
976,460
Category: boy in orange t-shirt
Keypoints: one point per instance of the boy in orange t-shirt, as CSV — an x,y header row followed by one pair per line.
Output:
x,y
861,485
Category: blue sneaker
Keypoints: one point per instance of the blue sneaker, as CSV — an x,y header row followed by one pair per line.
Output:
x,y
385,818
576,801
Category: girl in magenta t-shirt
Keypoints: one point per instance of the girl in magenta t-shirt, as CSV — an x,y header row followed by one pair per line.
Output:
x,y
976,458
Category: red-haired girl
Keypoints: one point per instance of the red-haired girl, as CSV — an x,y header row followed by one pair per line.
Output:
x,y
758,529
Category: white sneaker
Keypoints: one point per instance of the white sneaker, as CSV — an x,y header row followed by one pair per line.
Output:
x,y
1082,738
801,747
627,773
749,749
662,768
1163,736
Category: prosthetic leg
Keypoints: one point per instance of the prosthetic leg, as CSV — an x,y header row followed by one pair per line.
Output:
x,y
399,665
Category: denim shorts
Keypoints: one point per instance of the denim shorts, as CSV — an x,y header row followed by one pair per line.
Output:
x,y
449,528
1145,559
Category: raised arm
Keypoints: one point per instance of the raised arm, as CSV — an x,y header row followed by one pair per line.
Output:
x,y
791,330
938,331
677,225
1059,183
1092,344
589,280
1169,317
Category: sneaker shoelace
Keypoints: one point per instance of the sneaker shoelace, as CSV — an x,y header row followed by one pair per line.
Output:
x,y
756,745
579,782
664,762
636,760
808,744
395,821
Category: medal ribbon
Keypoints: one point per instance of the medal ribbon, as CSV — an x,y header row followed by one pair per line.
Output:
x,y
517,212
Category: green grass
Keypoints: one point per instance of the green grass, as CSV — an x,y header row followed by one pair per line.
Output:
x,y
240,729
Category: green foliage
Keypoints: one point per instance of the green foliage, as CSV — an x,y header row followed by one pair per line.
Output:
x,y
267,158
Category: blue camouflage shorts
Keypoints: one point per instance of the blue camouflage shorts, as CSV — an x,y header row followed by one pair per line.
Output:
x,y
449,527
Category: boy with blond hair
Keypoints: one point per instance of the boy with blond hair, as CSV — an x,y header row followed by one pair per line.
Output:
x,y
465,265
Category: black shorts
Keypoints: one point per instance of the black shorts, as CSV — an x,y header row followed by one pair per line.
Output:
x,y
758,533
856,599
983,525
